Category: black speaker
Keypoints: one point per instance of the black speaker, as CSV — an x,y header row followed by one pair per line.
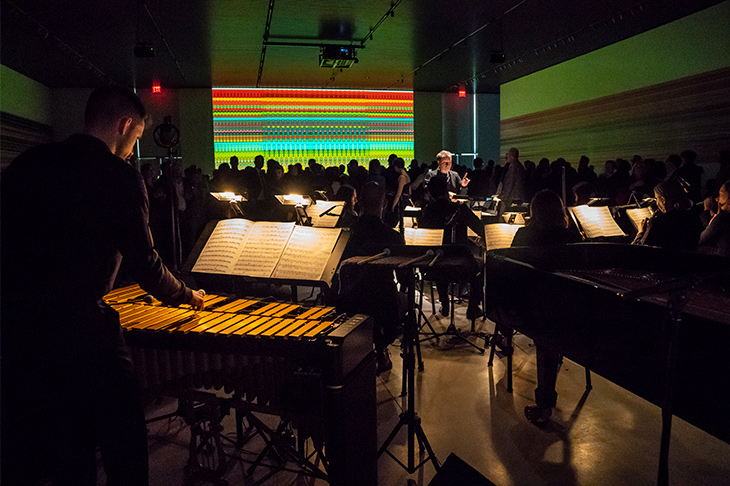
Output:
x,y
456,472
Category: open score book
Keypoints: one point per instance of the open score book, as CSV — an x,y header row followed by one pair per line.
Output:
x,y
268,250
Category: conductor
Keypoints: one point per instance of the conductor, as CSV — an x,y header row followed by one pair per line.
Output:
x,y
68,380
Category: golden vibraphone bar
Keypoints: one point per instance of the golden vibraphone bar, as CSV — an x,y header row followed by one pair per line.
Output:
x,y
286,358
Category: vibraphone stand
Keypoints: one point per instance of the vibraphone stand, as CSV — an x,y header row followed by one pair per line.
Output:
x,y
279,443
409,417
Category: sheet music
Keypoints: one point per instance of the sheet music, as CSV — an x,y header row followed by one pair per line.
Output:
x,y
307,253
330,219
410,216
596,221
223,247
638,215
424,237
500,235
262,249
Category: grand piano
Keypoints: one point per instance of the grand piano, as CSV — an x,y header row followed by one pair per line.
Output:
x,y
606,307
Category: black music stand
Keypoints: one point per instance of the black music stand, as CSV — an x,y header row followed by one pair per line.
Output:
x,y
409,417
459,251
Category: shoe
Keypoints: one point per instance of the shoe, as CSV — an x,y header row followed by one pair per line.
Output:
x,y
444,309
538,415
474,313
382,361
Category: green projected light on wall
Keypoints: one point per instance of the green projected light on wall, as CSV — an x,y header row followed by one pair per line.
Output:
x,y
295,125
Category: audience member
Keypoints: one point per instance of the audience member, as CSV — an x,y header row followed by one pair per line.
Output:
x,y
513,183
479,185
348,217
691,174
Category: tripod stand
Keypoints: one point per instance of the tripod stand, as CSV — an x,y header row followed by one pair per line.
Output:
x,y
462,262
409,417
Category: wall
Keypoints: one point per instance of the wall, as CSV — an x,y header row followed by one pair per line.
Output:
x,y
25,115
427,128
657,93
445,121
488,125
688,46
196,128
190,109
24,97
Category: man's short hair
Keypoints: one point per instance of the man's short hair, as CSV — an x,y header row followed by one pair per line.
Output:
x,y
442,155
108,104
371,197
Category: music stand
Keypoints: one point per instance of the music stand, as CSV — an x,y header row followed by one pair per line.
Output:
x,y
232,198
300,204
411,258
461,254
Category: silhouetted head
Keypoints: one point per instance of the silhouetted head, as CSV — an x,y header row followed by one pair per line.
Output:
x,y
670,196
116,116
372,199
547,210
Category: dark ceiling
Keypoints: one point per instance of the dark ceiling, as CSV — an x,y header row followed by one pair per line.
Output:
x,y
426,45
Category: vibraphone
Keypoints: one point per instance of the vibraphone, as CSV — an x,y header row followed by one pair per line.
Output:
x,y
283,358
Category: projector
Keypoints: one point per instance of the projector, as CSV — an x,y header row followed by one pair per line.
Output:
x,y
337,56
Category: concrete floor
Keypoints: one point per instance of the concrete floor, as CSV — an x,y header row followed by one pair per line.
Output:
x,y
607,437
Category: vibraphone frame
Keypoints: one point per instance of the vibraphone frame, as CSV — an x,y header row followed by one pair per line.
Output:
x,y
319,374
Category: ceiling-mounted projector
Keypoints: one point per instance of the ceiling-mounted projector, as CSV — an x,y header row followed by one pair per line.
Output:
x,y
337,56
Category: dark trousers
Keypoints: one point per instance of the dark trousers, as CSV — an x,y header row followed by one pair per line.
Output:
x,y
67,390
475,291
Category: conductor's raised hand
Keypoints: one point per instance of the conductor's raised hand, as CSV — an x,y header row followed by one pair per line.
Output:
x,y
465,181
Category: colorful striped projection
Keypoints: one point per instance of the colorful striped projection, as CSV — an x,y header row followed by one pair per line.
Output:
x,y
295,125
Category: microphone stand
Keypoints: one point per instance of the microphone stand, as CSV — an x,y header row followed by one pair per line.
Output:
x,y
409,417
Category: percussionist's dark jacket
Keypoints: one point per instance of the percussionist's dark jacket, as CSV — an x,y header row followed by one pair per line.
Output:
x,y
70,212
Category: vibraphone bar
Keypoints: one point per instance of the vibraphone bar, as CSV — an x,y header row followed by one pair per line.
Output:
x,y
306,363
222,315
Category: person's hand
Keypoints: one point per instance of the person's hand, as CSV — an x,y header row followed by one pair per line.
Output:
x,y
711,205
196,302
708,203
465,181
644,225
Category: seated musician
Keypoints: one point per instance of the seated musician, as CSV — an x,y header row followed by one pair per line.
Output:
x,y
548,225
715,239
675,225
454,218
368,289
